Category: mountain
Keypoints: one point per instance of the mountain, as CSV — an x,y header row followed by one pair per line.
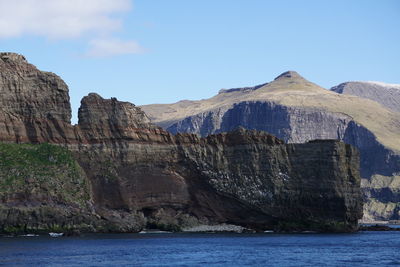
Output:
x,y
388,95
296,110
116,171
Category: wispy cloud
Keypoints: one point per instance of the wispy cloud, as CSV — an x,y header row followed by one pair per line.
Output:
x,y
113,47
59,19
69,19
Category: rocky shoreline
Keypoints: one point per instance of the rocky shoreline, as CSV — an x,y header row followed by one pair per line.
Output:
x,y
211,229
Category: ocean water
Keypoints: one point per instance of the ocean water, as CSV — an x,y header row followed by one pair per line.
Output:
x,y
358,249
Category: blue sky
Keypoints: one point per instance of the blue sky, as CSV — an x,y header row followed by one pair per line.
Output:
x,y
162,51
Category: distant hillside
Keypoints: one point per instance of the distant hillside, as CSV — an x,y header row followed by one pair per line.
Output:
x,y
290,90
386,94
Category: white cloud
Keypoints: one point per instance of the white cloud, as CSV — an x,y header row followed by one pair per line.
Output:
x,y
95,20
60,19
113,47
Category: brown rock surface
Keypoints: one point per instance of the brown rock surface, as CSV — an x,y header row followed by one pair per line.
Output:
x,y
34,105
141,175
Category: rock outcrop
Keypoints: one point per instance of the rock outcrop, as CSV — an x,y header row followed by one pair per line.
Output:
x,y
34,105
123,173
296,110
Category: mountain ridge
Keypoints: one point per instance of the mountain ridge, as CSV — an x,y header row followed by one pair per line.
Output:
x,y
291,91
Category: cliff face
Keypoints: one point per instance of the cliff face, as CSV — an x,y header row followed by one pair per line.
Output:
x,y
138,175
266,175
243,177
34,105
296,111
110,119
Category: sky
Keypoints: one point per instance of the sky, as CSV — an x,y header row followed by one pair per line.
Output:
x,y
163,51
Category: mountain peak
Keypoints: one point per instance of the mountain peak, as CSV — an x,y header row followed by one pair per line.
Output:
x,y
288,75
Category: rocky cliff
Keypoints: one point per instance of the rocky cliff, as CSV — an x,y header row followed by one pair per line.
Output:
x,y
296,110
34,105
122,173
242,177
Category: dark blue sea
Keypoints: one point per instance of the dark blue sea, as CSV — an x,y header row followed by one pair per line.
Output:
x,y
358,249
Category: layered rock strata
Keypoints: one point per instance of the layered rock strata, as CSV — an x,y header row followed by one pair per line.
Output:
x,y
34,105
138,175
